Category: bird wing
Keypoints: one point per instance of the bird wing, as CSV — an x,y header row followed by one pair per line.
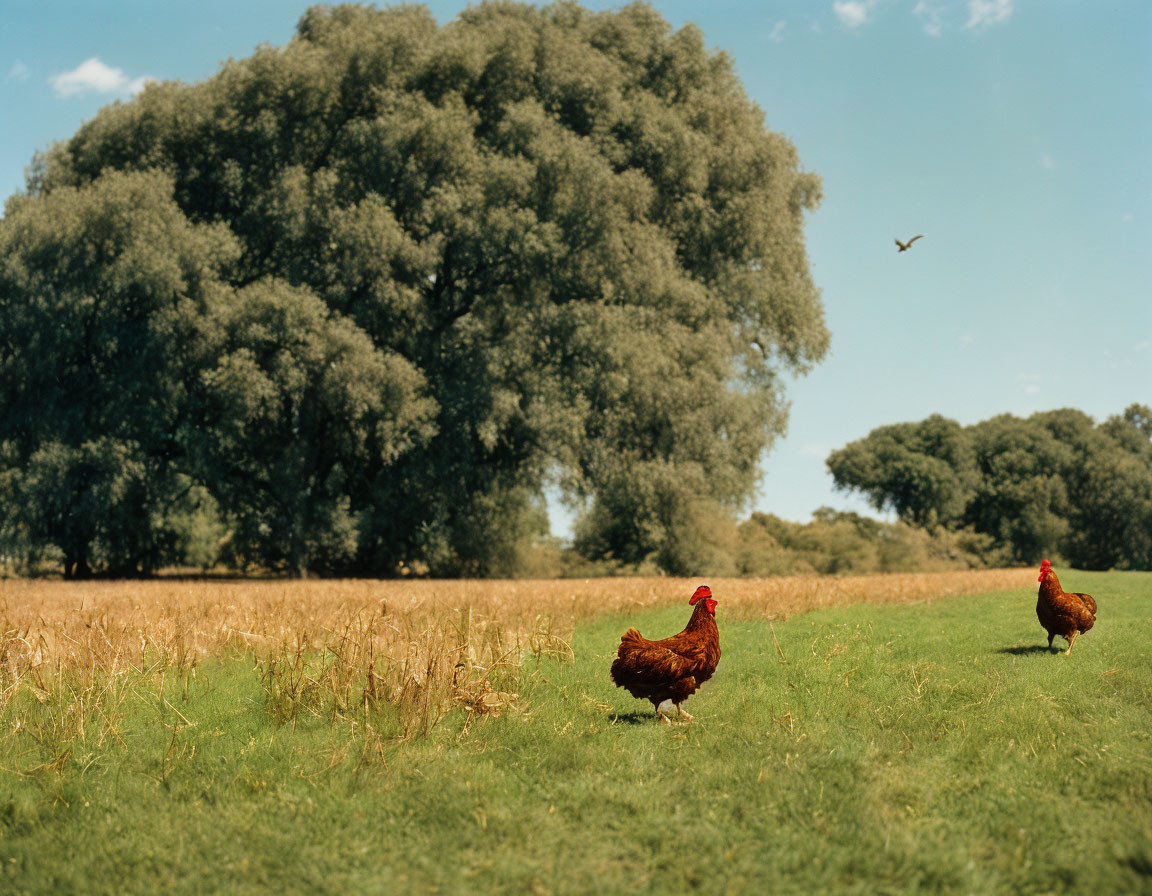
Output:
x,y
918,236
654,662
901,245
1069,609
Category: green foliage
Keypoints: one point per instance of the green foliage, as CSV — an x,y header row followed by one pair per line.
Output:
x,y
859,749
107,300
1053,484
1113,494
837,543
650,514
199,532
561,245
296,415
1023,498
923,471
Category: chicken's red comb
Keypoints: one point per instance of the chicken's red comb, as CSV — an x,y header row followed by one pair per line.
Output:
x,y
702,592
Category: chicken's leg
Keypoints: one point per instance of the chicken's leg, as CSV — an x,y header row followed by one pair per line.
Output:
x,y
680,709
1071,641
1051,635
661,715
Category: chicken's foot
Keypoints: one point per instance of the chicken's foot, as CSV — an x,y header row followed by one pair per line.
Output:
x,y
680,710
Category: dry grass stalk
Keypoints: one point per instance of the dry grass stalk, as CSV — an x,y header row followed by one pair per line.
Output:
x,y
52,622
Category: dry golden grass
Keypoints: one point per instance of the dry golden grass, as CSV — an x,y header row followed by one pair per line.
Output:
x,y
386,660
51,622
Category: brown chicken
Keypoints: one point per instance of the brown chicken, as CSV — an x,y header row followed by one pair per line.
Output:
x,y
1062,613
674,668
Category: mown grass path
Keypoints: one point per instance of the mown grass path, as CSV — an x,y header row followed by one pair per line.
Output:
x,y
936,747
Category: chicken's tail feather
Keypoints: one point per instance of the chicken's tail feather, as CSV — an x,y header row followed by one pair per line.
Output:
x,y
621,669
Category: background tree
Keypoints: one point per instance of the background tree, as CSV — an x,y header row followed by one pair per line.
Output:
x,y
836,543
1112,492
1022,497
1055,483
569,237
925,471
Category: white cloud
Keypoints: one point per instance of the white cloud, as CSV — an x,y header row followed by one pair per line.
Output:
x,y
929,16
93,75
1030,381
18,72
982,13
779,31
852,13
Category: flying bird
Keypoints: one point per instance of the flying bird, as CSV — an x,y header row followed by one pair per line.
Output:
x,y
905,246
1060,612
674,668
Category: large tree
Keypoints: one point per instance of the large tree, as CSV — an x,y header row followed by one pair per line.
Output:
x,y
566,239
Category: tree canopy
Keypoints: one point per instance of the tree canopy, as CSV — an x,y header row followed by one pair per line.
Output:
x,y
1055,483
369,294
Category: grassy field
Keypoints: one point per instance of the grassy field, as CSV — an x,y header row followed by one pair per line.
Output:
x,y
890,746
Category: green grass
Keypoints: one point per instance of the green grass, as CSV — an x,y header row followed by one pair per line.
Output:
x,y
898,749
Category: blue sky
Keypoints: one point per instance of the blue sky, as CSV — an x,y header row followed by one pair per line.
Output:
x,y
1015,134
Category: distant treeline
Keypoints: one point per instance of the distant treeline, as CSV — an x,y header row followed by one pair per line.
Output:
x,y
1055,484
1106,468
832,543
